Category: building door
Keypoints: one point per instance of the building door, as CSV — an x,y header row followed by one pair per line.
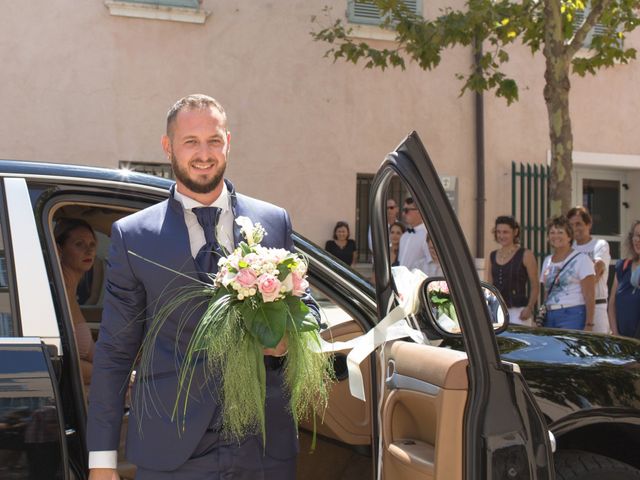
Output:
x,y
603,192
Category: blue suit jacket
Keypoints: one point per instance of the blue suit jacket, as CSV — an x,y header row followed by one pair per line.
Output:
x,y
135,289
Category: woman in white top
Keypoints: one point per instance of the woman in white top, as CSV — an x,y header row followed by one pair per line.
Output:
x,y
568,278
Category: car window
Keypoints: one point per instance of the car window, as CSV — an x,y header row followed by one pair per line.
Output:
x,y
90,290
330,313
7,323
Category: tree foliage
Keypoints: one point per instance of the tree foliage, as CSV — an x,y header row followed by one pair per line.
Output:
x,y
547,26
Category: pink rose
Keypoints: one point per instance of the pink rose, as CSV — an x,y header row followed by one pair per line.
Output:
x,y
246,278
269,287
300,285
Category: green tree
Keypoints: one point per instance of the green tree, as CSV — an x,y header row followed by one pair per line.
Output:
x,y
557,28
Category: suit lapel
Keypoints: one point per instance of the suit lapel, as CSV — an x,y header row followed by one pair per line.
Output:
x,y
238,211
178,255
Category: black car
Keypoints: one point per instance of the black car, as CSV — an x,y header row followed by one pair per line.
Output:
x,y
474,402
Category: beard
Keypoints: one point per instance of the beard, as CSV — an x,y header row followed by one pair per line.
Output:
x,y
192,184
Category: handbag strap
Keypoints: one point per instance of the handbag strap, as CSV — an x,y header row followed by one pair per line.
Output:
x,y
555,280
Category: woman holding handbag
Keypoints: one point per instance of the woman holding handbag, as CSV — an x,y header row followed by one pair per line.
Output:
x,y
568,278
624,301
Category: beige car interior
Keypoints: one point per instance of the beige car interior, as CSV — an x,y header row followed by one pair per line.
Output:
x,y
422,412
423,396
344,431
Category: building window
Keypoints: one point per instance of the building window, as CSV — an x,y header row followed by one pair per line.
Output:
x,y
158,169
369,14
598,29
169,3
189,11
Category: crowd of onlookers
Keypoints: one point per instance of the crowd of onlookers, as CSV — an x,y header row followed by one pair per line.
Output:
x,y
574,277
570,288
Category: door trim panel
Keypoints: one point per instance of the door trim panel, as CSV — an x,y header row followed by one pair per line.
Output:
x,y
397,381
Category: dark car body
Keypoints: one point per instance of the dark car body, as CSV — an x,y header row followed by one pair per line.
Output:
x,y
585,388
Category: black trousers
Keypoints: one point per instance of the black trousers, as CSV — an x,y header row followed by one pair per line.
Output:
x,y
212,461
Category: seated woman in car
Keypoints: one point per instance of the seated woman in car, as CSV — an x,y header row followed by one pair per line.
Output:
x,y
77,243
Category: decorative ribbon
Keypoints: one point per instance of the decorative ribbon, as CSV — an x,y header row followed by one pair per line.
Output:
x,y
393,326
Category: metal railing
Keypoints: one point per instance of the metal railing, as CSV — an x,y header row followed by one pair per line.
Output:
x,y
530,205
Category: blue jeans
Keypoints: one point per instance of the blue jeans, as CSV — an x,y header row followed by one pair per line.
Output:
x,y
572,317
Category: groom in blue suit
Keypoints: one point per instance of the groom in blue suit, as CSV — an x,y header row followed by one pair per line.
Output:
x,y
172,234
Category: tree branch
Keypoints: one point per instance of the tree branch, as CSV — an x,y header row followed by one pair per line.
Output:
x,y
597,8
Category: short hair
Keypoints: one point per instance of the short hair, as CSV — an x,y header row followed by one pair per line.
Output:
x,y
507,220
66,225
195,101
560,221
398,224
341,224
409,201
582,211
629,242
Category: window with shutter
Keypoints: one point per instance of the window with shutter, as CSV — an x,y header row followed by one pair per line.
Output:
x,y
578,20
169,3
175,10
369,14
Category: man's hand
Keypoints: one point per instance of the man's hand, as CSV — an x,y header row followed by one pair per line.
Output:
x,y
280,350
103,474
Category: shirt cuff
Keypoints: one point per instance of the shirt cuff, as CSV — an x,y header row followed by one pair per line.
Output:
x,y
103,459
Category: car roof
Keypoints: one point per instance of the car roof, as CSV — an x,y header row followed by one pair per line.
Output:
x,y
81,171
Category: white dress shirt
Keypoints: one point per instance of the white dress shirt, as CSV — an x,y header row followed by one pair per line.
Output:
x,y
413,251
224,234
598,250
224,229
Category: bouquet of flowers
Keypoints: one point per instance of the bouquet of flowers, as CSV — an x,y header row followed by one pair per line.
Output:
x,y
445,312
254,303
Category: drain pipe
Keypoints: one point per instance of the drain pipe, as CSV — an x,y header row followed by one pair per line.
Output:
x,y
479,133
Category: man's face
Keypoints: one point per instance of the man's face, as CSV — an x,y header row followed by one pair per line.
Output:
x,y
581,230
411,214
198,149
392,211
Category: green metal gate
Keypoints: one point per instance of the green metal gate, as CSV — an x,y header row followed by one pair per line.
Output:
x,y
530,205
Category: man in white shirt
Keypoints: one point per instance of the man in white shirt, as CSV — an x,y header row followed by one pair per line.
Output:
x,y
598,250
392,217
182,233
413,251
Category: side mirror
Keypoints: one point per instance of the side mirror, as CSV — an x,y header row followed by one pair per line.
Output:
x,y
441,312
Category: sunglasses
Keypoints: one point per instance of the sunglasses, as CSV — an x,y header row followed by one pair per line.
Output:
x,y
407,210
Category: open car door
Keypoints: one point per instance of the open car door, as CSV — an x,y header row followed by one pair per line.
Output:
x,y
34,436
443,414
